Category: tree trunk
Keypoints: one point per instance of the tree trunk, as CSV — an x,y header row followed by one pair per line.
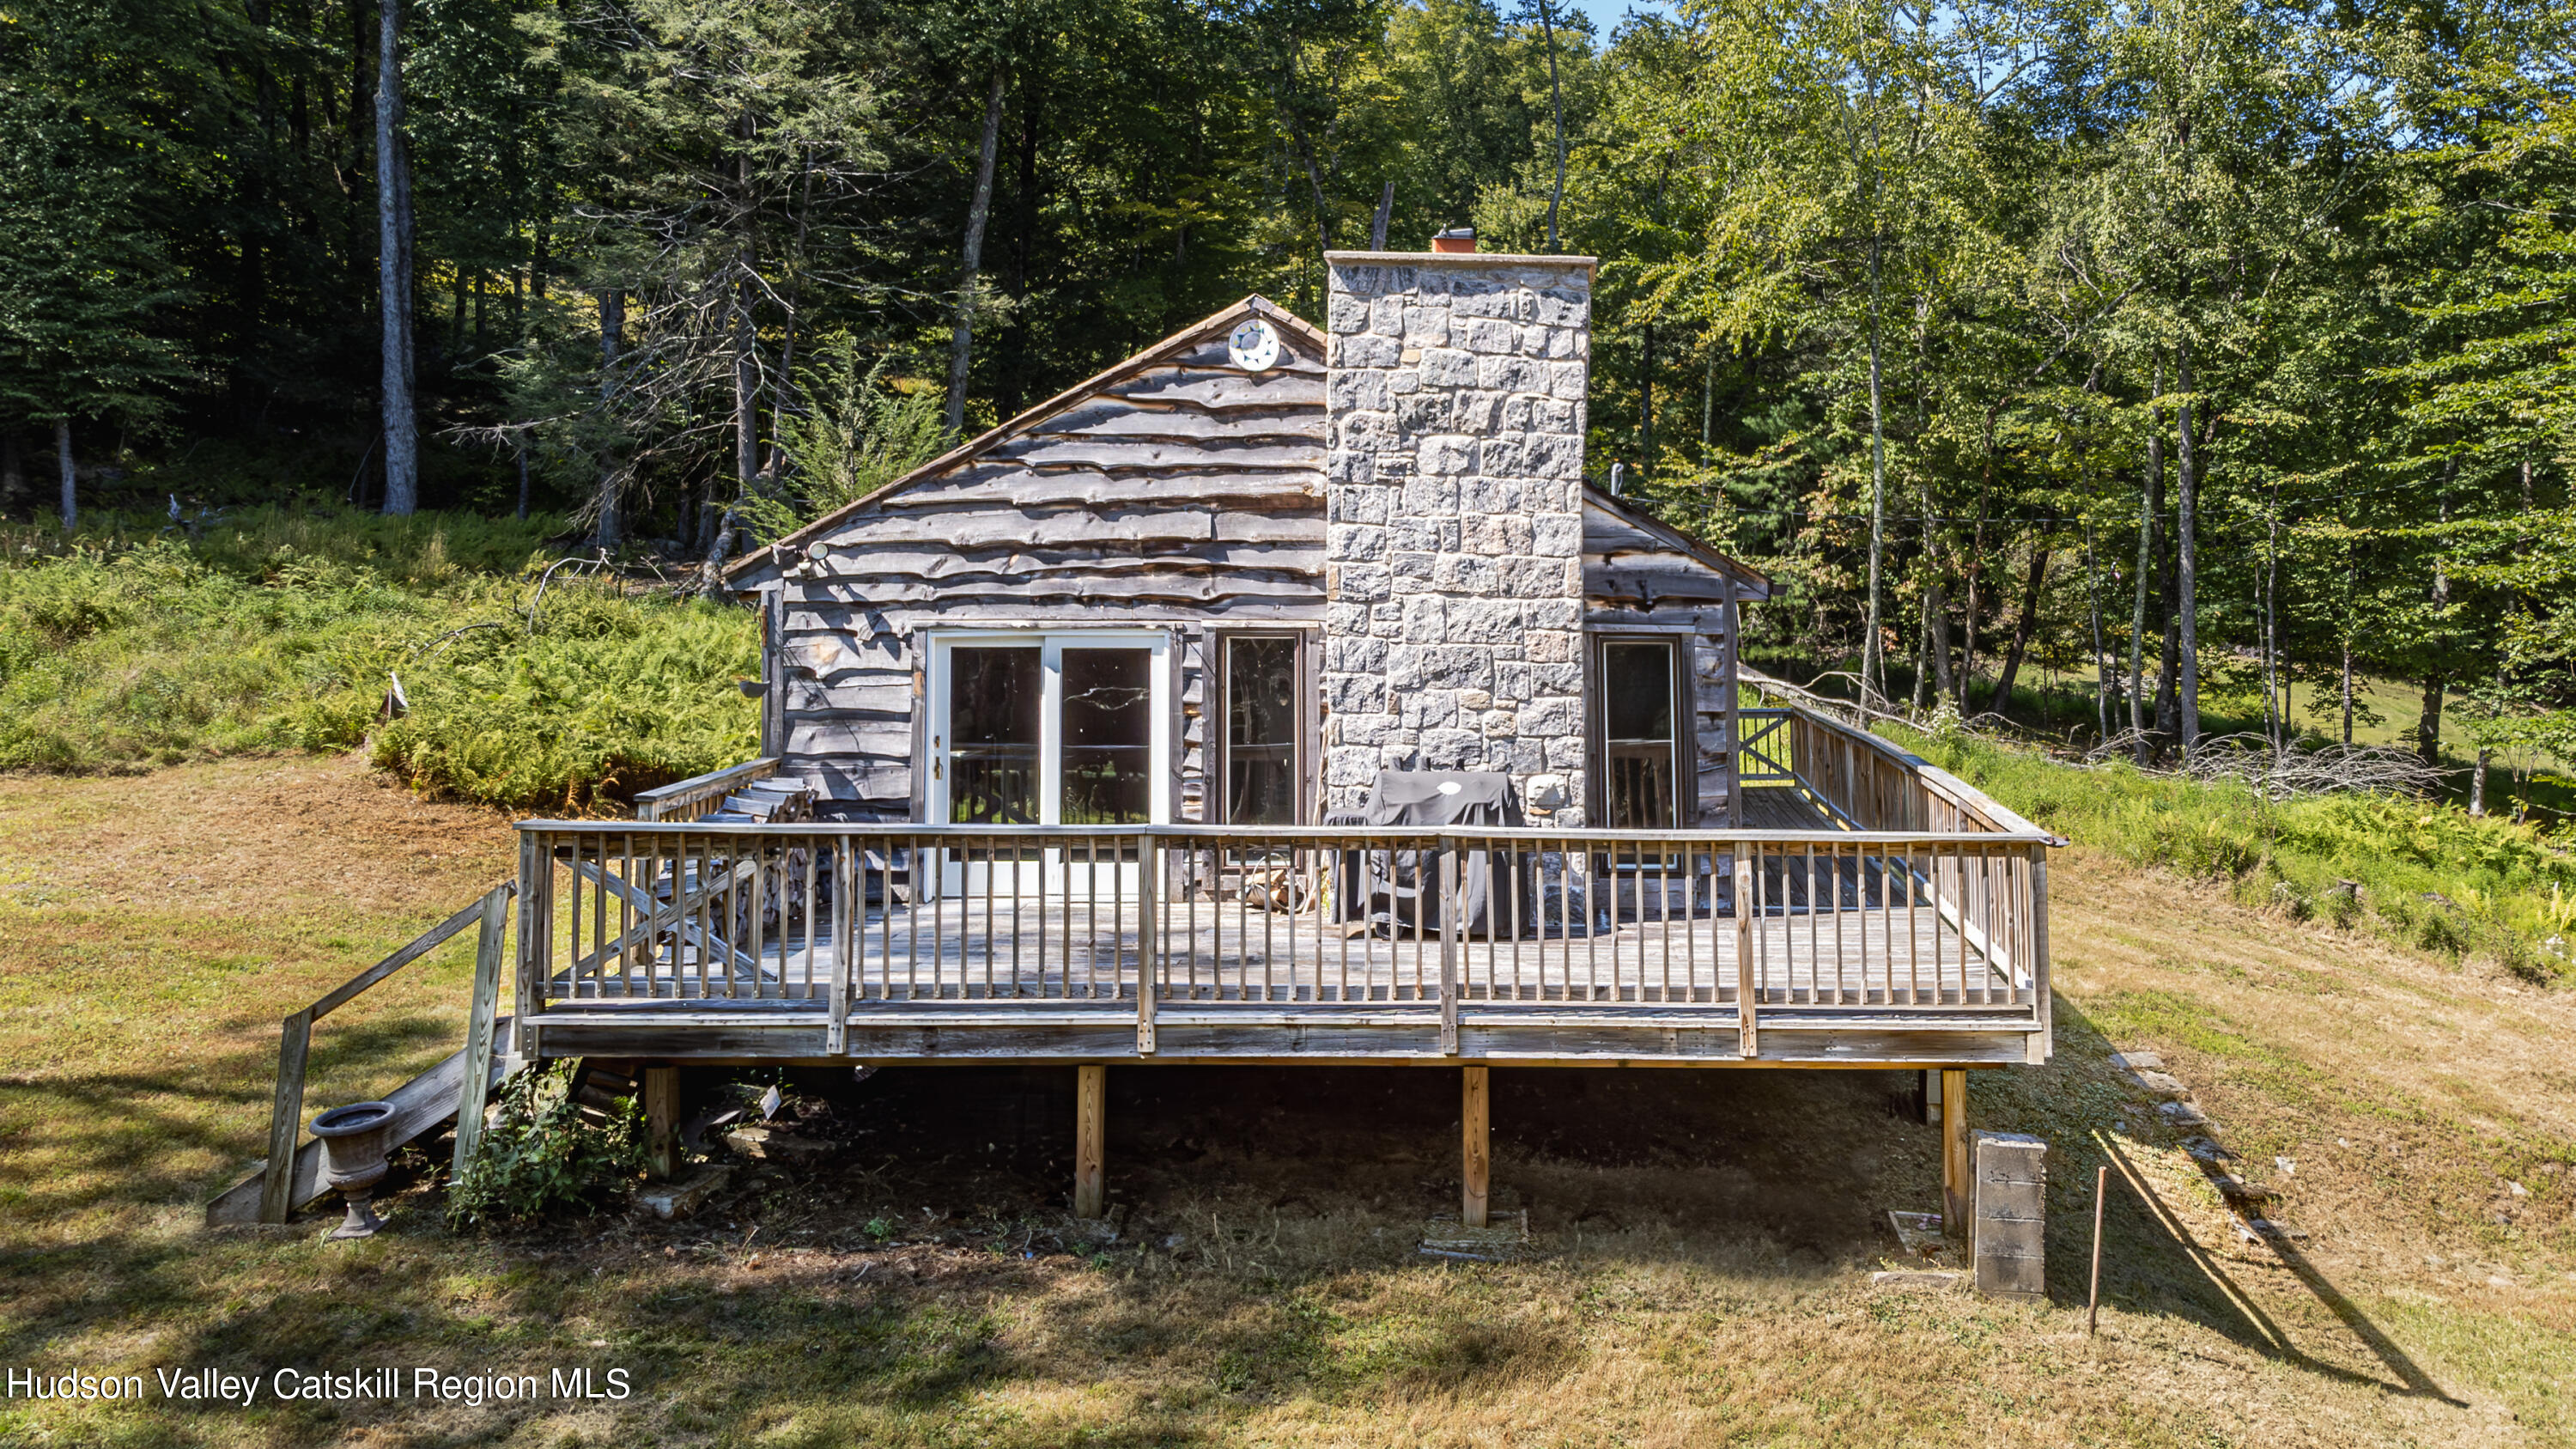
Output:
x,y
13,470
2347,692
1922,698
2020,647
1936,615
2478,783
362,106
1646,402
523,478
2148,510
394,269
2186,531
746,393
1556,104
2351,581
1873,668
2101,656
1012,394
961,339
609,529
63,453
1385,213
2275,718
2428,721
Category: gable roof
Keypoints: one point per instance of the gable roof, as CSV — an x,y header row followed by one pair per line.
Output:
x,y
1215,324
1661,537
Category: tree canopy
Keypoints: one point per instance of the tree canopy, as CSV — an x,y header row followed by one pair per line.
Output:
x,y
2206,353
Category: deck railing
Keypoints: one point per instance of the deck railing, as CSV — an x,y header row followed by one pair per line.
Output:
x,y
1927,902
845,919
701,795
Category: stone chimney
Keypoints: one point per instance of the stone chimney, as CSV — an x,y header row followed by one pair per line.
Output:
x,y
1454,536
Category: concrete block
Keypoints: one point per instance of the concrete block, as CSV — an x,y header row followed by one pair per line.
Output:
x,y
2008,1237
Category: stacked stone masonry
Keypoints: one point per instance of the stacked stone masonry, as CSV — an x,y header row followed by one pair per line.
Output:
x,y
1454,527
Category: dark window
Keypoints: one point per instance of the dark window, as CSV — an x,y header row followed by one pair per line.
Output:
x,y
1640,759
1108,736
993,704
1261,731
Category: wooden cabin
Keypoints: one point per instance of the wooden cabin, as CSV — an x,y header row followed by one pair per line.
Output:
x,y
1072,739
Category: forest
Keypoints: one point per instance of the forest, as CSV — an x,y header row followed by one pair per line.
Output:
x,y
2211,363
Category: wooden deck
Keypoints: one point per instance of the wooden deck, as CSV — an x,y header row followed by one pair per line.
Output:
x,y
697,941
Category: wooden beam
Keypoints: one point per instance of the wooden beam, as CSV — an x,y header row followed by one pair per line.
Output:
x,y
285,1121
1090,1128
476,1088
661,1119
1475,1116
421,945
1956,1170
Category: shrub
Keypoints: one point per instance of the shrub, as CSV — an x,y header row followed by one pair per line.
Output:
x,y
2505,890
541,1154
282,634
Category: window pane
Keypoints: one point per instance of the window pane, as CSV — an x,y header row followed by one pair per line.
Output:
x,y
1638,685
1108,736
993,702
1637,735
1261,731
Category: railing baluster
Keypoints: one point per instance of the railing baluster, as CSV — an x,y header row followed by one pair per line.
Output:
x,y
1148,861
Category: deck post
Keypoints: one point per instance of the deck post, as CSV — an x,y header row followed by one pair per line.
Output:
x,y
1475,1117
661,1119
286,1118
847,911
1090,1128
1449,928
1955,1167
2035,1048
1748,988
481,1009
1149,863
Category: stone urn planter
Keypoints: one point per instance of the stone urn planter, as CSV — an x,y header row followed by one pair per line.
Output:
x,y
353,1160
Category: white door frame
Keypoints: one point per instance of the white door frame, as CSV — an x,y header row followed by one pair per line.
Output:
x,y
1050,646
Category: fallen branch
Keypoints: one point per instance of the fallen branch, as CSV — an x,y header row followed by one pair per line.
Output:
x,y
2285,772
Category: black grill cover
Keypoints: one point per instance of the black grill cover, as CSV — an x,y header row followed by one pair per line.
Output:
x,y
1400,889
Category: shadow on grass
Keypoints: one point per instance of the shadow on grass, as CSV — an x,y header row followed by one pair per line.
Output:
x,y
2151,1261
129,1137
1307,1176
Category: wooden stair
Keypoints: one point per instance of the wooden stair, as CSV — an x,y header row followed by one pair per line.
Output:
x,y
422,1105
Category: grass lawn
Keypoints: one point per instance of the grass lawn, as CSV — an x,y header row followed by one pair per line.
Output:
x,y
1702,1240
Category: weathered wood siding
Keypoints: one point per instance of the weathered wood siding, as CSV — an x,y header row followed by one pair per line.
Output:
x,y
1177,491
1637,579
1180,492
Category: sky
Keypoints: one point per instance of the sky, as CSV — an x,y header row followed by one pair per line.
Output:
x,y
1606,14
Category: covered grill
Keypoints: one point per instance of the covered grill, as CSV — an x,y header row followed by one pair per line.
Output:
x,y
1399,890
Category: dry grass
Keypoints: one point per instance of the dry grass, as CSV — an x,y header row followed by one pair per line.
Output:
x,y
1704,1237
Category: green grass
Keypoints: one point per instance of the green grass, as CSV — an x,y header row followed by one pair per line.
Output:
x,y
129,647
2430,875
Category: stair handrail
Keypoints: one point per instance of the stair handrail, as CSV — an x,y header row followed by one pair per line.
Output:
x,y
295,1040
